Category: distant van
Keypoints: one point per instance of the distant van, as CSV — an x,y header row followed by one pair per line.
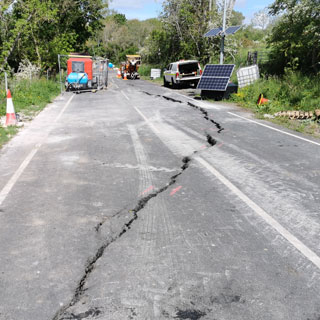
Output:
x,y
183,72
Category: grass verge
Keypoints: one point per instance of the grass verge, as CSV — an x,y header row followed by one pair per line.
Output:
x,y
29,98
158,81
6,134
293,92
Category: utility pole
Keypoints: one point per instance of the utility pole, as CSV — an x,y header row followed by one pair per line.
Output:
x,y
223,32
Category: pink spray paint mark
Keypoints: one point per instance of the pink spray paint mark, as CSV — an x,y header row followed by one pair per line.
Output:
x,y
175,190
147,190
220,145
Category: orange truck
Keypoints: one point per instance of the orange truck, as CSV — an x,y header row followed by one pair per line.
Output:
x,y
129,69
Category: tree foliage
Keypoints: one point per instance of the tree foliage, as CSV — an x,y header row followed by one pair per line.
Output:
x,y
39,30
295,38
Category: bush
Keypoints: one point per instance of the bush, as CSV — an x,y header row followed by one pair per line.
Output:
x,y
293,91
145,69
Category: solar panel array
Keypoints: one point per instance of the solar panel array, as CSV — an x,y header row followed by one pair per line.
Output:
x,y
216,77
218,31
214,32
232,30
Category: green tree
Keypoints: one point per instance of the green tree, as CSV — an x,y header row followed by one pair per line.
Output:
x,y
295,37
184,22
38,30
236,19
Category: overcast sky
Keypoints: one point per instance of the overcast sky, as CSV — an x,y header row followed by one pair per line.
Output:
x,y
144,9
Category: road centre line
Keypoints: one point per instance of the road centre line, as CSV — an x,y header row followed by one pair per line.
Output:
x,y
125,95
10,184
146,119
142,115
308,253
275,129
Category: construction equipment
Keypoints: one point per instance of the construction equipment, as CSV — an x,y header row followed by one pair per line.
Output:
x,y
85,73
129,69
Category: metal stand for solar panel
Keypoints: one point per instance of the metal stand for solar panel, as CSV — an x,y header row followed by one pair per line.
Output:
x,y
222,31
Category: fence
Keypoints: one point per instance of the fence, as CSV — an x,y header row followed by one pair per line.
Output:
x,y
257,57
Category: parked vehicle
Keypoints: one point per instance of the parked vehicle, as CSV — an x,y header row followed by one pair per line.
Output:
x,y
184,72
129,69
86,73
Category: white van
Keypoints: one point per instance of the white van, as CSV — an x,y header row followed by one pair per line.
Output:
x,y
184,72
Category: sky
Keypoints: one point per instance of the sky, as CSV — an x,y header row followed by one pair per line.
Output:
x,y
145,9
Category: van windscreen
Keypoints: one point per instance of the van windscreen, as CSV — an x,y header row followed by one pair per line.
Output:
x,y
77,66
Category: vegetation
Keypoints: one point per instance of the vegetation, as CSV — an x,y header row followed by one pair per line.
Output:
x,y
30,96
39,30
6,134
293,91
294,40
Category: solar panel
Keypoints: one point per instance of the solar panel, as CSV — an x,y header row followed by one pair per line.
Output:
x,y
232,30
214,32
218,70
216,77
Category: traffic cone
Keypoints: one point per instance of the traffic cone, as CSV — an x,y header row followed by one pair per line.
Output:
x,y
262,100
125,76
11,119
119,74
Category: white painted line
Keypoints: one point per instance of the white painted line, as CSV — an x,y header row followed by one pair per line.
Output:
x,y
275,129
10,184
142,115
146,120
125,95
308,253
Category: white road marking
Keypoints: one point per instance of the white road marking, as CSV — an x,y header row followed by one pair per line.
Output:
x,y
142,115
125,95
146,120
308,253
275,129
10,184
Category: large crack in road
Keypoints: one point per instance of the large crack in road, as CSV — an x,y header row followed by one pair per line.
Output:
x,y
62,313
194,106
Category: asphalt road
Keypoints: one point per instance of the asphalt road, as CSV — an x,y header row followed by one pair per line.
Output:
x,y
140,202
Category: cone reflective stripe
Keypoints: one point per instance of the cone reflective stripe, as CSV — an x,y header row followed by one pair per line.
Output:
x,y
11,119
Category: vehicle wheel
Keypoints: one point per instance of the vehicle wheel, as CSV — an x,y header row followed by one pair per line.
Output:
x,y
165,82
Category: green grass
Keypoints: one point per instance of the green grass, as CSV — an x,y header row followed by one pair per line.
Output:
x,y
291,92
145,69
158,81
29,98
6,134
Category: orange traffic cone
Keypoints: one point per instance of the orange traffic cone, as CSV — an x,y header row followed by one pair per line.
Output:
x,y
262,100
125,76
11,119
119,74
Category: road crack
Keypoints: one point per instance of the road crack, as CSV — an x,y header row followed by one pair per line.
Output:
x,y
206,116
194,106
62,313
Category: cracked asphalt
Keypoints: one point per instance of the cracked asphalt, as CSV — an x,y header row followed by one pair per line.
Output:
x,y
141,202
